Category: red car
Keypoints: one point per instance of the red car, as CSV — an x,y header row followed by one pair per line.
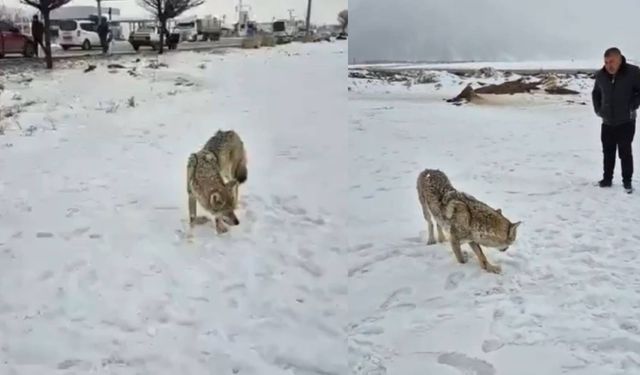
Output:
x,y
12,41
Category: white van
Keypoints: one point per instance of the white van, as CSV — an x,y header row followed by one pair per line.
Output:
x,y
81,34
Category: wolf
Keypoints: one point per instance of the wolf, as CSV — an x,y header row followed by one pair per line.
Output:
x,y
465,218
229,149
213,176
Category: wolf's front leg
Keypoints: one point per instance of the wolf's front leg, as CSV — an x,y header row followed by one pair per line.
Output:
x,y
484,263
220,226
457,251
193,218
192,209
427,216
441,236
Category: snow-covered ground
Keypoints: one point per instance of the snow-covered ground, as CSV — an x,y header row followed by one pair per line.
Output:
x,y
568,298
500,65
96,274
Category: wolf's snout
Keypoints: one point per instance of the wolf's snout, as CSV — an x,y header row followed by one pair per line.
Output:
x,y
231,220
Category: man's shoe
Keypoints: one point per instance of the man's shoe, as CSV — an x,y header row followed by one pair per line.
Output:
x,y
628,187
604,183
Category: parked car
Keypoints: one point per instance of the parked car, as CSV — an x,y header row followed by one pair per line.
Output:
x,y
323,36
12,41
149,36
284,31
81,34
342,36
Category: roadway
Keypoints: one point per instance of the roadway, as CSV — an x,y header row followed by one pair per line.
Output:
x,y
124,48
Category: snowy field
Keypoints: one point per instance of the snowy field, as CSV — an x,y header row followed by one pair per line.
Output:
x,y
96,274
568,298
500,65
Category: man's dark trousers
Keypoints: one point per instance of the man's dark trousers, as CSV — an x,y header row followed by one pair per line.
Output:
x,y
618,137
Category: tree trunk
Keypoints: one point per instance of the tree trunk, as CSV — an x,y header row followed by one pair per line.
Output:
x,y
308,20
163,27
47,39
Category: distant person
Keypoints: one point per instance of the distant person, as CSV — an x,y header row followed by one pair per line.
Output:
x,y
103,33
616,97
37,32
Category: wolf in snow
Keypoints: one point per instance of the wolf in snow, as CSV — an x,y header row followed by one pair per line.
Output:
x,y
464,218
213,176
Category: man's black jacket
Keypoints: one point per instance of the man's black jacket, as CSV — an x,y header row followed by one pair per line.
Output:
x,y
617,97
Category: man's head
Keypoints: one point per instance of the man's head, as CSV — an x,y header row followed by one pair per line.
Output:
x,y
612,60
35,17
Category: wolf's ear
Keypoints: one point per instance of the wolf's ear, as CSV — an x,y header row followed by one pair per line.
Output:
x,y
512,229
499,210
215,199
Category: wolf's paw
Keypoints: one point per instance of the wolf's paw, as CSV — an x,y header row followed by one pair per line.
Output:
x,y
431,241
220,227
199,220
464,257
493,268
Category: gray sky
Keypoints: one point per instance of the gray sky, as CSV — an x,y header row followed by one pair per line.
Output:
x,y
491,29
323,11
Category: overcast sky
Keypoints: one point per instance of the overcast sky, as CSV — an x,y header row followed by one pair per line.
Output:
x,y
323,11
491,29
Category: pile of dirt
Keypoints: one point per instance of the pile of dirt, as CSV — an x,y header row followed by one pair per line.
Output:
x,y
560,90
509,87
551,85
467,95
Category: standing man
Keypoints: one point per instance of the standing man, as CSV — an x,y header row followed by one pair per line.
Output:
x,y
103,33
616,97
37,32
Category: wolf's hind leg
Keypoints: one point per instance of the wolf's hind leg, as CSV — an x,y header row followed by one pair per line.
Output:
x,y
484,263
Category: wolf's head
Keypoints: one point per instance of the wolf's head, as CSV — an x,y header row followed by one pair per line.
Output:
x,y
223,203
499,232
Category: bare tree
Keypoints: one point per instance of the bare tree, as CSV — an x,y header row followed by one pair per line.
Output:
x,y
12,14
45,7
343,19
164,10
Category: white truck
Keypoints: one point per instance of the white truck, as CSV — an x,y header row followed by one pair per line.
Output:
x,y
209,28
284,31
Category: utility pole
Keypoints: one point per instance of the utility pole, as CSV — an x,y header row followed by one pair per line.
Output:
x,y
99,11
290,14
308,17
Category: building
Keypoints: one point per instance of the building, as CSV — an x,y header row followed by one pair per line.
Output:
x,y
81,12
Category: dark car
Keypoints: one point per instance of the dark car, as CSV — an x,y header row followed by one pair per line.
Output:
x,y
12,41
